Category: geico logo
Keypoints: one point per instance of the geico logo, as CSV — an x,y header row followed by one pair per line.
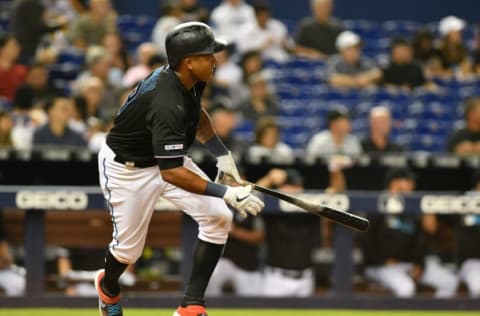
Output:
x,y
59,200
339,201
450,204
165,205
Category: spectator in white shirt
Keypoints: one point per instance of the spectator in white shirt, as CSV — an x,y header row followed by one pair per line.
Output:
x,y
267,35
171,17
337,140
141,70
230,17
228,74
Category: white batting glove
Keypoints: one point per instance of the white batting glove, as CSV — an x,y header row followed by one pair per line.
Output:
x,y
242,199
226,164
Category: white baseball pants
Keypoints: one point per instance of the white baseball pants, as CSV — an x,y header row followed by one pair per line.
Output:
x,y
470,275
277,284
131,194
245,283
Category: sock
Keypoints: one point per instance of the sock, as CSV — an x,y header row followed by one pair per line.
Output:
x,y
205,258
113,271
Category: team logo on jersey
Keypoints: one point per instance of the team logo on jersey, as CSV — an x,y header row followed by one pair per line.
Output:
x,y
174,147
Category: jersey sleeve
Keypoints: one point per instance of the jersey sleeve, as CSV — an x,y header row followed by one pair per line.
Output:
x,y
168,121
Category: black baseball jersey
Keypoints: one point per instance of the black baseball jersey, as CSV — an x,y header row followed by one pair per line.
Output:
x,y
159,119
397,237
291,239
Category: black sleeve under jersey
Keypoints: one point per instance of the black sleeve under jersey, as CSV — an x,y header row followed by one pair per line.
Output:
x,y
168,121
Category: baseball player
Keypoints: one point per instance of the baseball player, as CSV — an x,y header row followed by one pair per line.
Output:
x,y
145,157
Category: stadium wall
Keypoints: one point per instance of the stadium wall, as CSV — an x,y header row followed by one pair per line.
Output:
x,y
377,10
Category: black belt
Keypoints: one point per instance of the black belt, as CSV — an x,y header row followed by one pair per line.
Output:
x,y
135,164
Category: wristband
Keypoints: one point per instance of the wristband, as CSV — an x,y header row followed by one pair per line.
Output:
x,y
215,189
216,146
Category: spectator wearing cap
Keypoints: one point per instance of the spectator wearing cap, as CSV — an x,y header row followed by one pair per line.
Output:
x,y
316,35
90,27
267,35
56,132
12,75
261,102
171,16
466,141
395,247
141,70
402,71
230,17
268,143
453,52
378,141
467,245
337,139
349,69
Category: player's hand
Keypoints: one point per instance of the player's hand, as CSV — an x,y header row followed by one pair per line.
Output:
x,y
226,164
242,199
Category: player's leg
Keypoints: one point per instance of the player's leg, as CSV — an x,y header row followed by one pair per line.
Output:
x,y
393,277
214,220
470,275
441,279
130,194
224,272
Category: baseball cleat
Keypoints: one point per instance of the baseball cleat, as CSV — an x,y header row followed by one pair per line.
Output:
x,y
107,306
191,310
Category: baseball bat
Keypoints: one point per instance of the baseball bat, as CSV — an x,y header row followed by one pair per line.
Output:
x,y
341,217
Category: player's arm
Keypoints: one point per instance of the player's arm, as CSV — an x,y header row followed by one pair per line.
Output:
x,y
207,136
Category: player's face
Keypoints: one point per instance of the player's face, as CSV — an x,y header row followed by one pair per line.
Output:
x,y
202,66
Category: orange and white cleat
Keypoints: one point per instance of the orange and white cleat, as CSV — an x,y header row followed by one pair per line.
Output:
x,y
191,310
107,306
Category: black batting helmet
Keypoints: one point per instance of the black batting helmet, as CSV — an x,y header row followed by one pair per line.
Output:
x,y
191,38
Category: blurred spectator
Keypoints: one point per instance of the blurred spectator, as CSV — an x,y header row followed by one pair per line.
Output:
x,y
56,132
378,141
12,75
350,69
267,35
466,141
316,35
63,10
79,118
93,91
6,125
476,53
453,52
171,16
114,45
99,63
156,61
467,246
230,17
268,143
402,71
141,70
25,118
290,240
43,90
427,55
394,248
337,139
12,277
224,120
192,11
228,74
261,102
29,24
89,28
251,63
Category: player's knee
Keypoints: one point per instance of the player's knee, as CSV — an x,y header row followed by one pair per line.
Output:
x,y
405,288
127,255
218,225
